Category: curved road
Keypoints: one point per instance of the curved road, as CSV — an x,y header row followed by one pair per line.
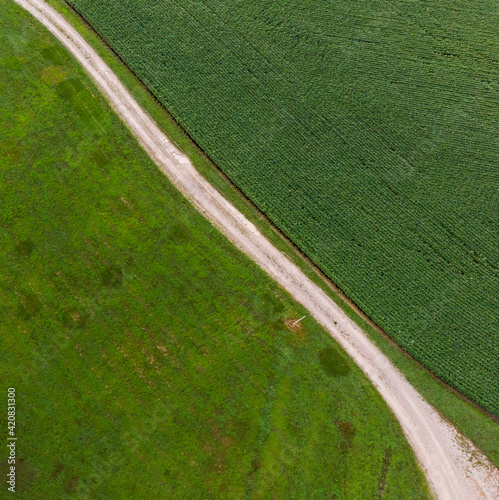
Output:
x,y
454,467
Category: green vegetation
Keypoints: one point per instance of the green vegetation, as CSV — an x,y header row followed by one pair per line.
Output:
x,y
480,427
150,357
477,425
366,132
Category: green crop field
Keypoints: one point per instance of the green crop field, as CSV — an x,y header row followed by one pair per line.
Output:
x,y
366,131
150,358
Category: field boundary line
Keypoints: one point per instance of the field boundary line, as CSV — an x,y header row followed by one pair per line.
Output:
x,y
454,467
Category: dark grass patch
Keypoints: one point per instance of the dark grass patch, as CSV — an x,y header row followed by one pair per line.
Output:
x,y
112,276
61,166
57,471
10,150
70,89
99,158
83,103
25,474
179,234
256,465
119,207
241,430
384,471
333,362
347,432
70,484
55,54
30,305
25,247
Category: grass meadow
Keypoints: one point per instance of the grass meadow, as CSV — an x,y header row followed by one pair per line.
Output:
x,y
366,132
150,358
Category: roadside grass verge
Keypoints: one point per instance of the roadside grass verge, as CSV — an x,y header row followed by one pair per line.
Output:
x,y
480,427
151,358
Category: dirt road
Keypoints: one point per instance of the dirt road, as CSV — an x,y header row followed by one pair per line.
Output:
x,y
454,468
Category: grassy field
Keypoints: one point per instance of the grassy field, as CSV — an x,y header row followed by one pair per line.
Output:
x,y
367,133
149,357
